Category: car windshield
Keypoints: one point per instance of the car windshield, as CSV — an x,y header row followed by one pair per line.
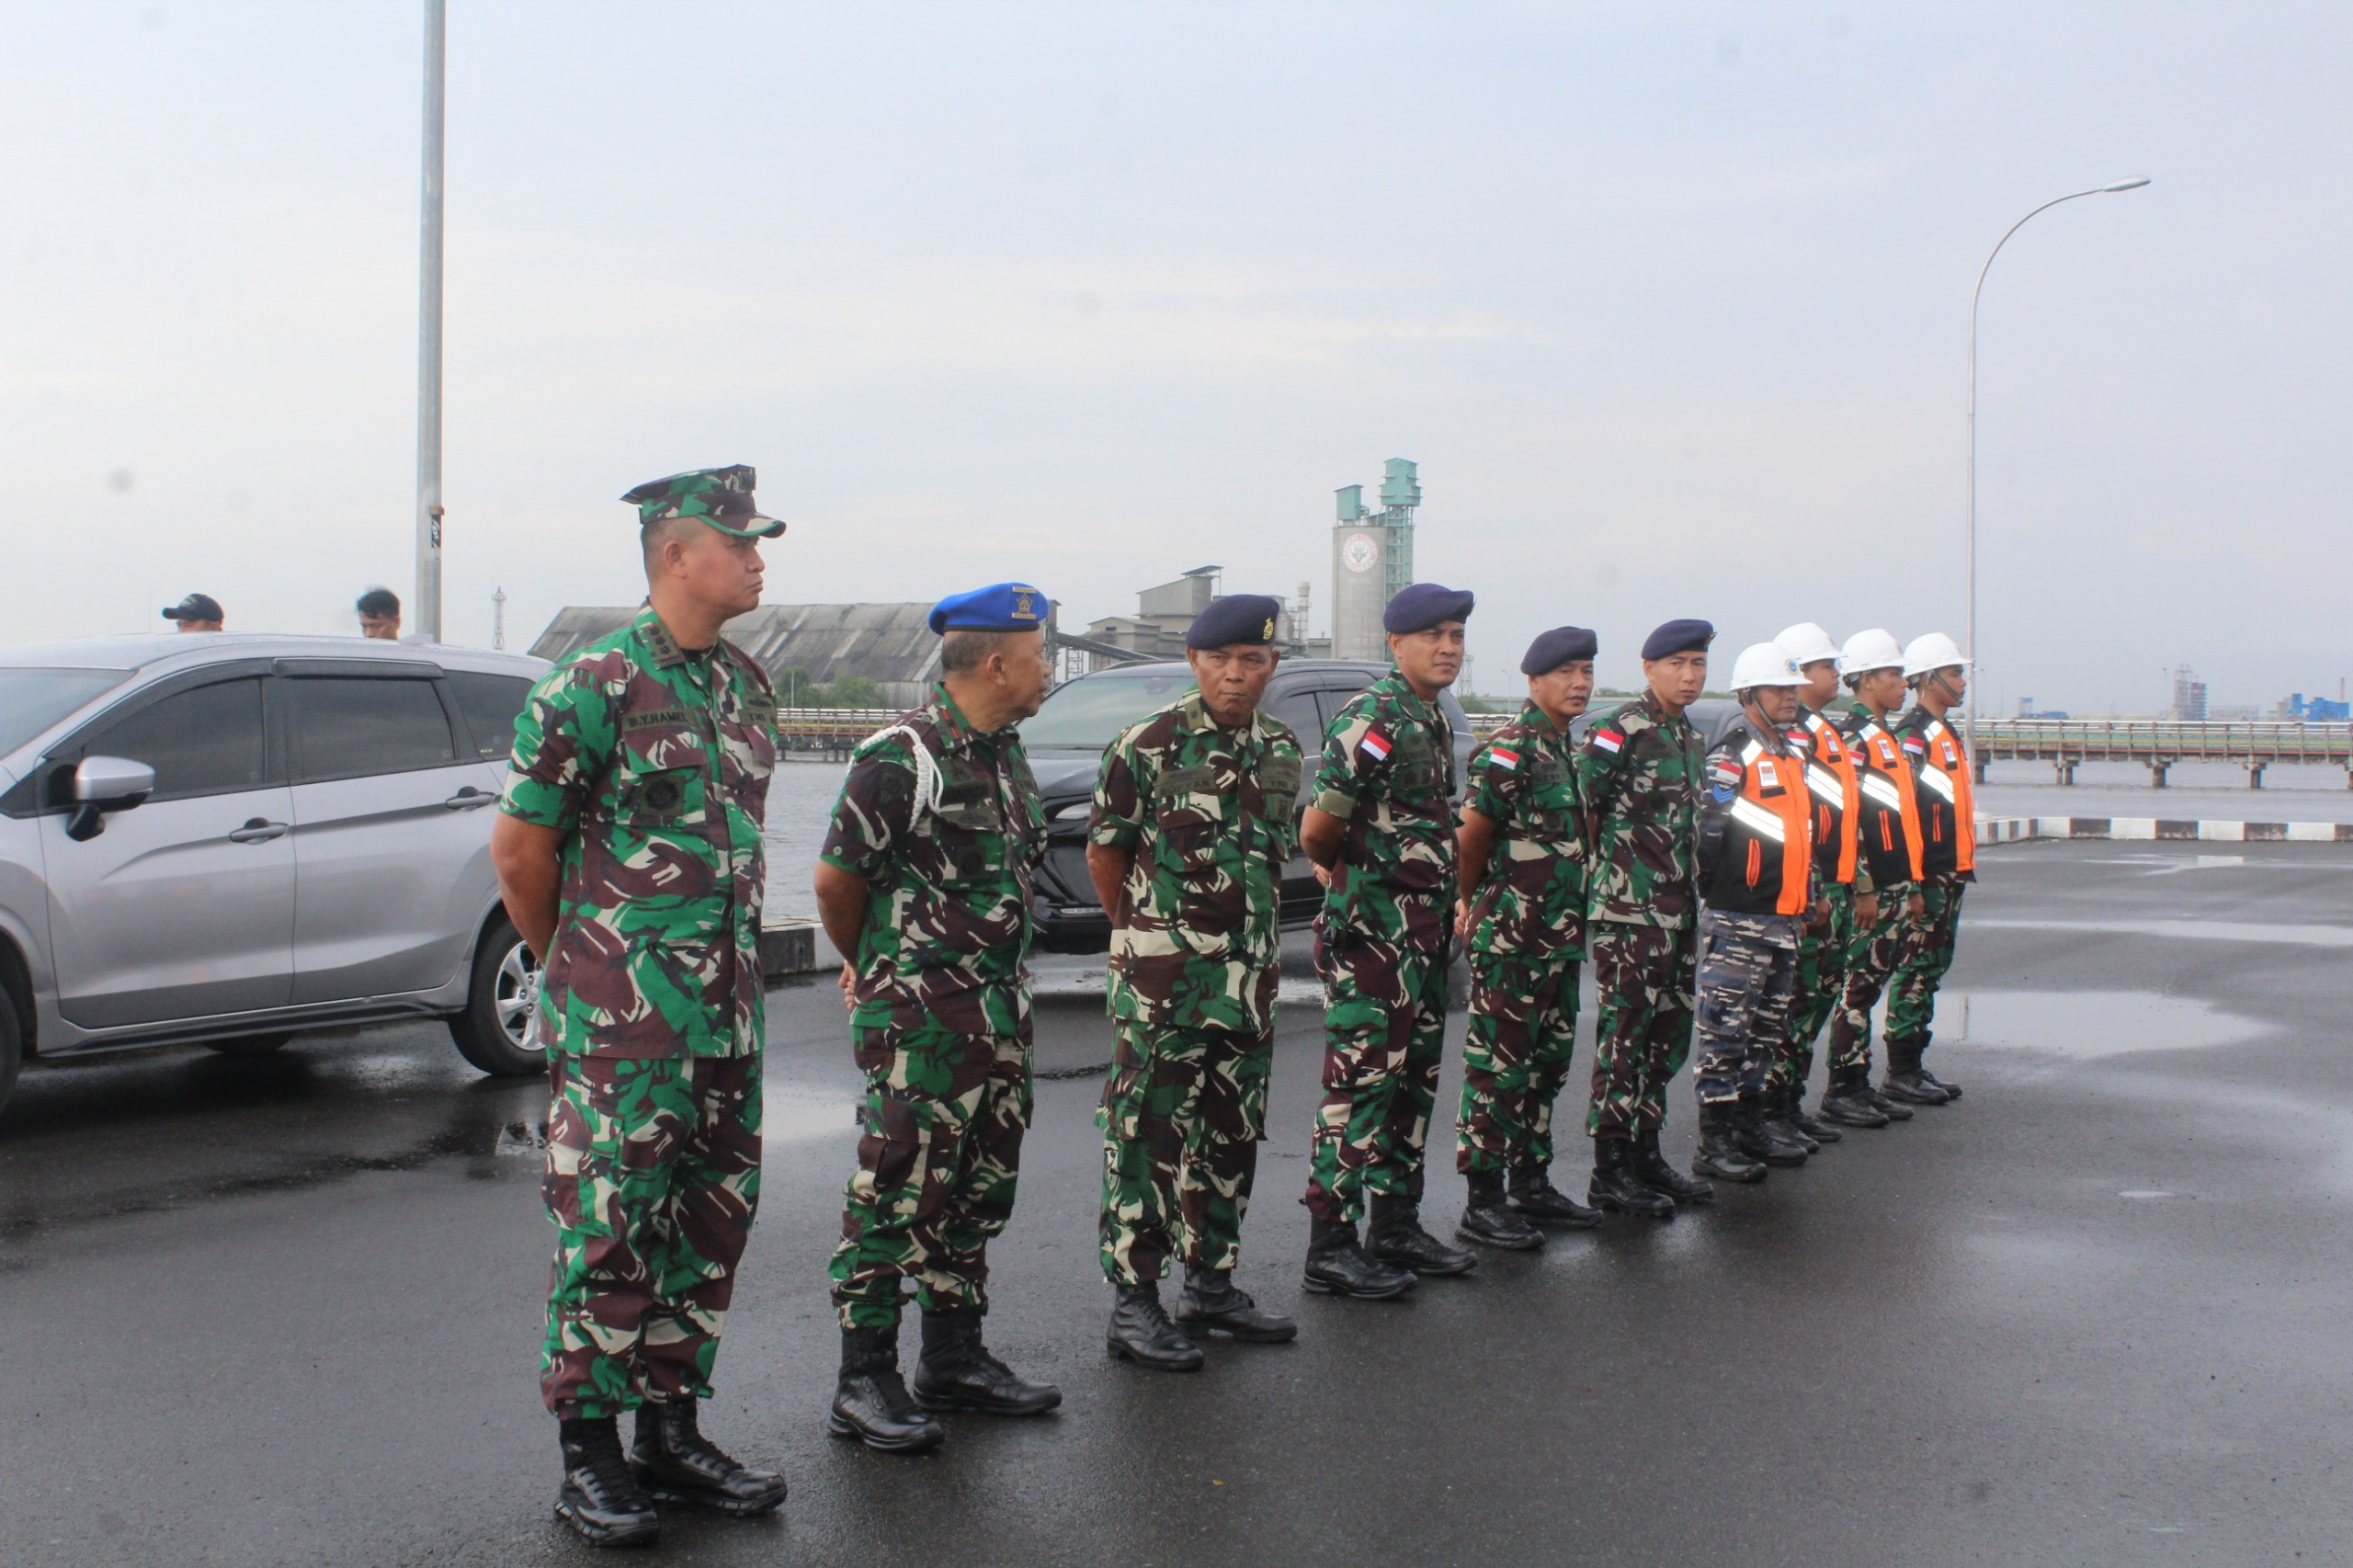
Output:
x,y
1089,712
32,700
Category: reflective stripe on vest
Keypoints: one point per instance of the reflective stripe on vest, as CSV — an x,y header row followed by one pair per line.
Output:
x,y
1889,764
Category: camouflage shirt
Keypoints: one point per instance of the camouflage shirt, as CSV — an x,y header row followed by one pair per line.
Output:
x,y
1640,769
1388,772
1531,898
948,920
1212,817
654,764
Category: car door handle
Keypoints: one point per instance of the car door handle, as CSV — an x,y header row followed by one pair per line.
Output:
x,y
469,797
258,831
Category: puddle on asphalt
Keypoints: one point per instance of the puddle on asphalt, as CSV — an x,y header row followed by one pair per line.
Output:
x,y
2086,1025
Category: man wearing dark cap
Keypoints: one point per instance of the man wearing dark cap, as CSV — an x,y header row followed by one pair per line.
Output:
x,y
925,882
197,612
1196,813
1381,831
1639,770
1522,923
629,855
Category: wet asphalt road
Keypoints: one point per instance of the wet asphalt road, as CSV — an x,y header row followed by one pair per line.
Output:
x,y
286,1311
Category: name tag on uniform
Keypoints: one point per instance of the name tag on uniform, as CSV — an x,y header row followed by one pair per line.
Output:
x,y
1189,781
1279,776
655,719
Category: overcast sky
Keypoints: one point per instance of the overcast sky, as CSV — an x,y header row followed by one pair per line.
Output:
x,y
1670,303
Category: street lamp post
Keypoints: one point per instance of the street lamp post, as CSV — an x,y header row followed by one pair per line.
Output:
x,y
428,334
1969,717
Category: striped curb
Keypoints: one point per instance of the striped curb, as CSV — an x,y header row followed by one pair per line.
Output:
x,y
2011,830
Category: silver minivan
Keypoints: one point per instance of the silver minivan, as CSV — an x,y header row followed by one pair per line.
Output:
x,y
223,838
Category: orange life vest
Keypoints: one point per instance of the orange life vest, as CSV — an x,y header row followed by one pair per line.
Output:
x,y
1888,782
1945,772
1830,777
1777,821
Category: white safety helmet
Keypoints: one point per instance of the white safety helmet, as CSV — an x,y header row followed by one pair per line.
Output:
x,y
1867,651
1764,664
1808,643
1932,651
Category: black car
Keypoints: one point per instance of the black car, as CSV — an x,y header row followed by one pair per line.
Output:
x,y
1065,742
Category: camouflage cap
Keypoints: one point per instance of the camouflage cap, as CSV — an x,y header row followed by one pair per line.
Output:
x,y
720,497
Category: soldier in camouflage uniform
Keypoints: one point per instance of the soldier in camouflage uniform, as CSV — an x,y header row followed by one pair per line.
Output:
x,y
629,857
925,882
1888,843
1522,921
1196,815
1941,772
1756,887
1841,873
1381,831
1640,773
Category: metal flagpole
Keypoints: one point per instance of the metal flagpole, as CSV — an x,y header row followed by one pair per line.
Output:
x,y
428,334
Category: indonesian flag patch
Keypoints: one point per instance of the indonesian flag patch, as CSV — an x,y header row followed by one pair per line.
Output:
x,y
1376,745
1608,740
1506,760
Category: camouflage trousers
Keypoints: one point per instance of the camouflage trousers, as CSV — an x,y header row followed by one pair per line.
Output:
x,y
1515,1059
1385,1027
1643,1031
936,1168
652,1174
1821,982
1871,956
1747,981
1920,968
1184,1111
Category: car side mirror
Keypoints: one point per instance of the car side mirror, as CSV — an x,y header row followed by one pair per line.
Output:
x,y
103,784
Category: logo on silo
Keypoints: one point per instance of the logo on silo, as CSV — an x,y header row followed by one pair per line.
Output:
x,y
1360,552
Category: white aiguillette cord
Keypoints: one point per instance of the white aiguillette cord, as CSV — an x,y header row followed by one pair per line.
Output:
x,y
926,770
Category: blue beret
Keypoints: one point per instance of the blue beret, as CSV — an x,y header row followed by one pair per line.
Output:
x,y
1000,606
1420,606
1557,647
1236,617
1678,637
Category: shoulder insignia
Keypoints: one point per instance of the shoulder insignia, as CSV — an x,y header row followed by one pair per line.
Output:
x,y
1608,740
1375,745
1504,758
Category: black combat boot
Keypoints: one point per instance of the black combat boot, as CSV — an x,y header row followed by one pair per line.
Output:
x,y
1894,1110
676,1463
1616,1186
1758,1139
1903,1082
1773,1114
1535,1198
1394,1230
1337,1265
1653,1171
1211,1300
1142,1332
1489,1219
1953,1091
1847,1101
1720,1153
1794,1112
871,1403
600,1496
957,1372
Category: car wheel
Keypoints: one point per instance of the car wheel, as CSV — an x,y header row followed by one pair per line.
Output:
x,y
12,1047
248,1044
504,993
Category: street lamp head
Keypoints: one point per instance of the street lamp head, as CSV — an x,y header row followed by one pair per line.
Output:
x,y
2133,184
